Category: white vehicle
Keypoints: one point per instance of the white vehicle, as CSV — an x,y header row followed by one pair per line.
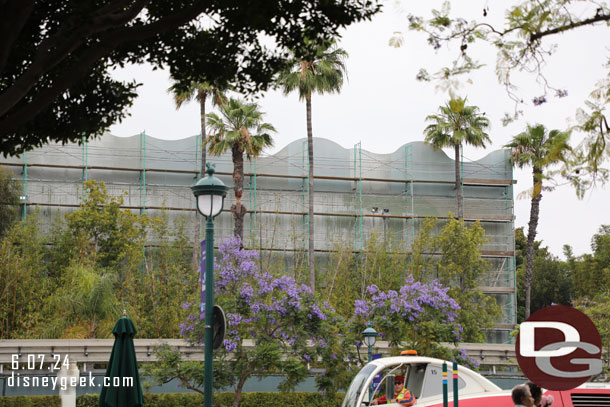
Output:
x,y
423,377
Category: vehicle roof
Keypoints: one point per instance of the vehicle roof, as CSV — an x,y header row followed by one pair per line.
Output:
x,y
463,371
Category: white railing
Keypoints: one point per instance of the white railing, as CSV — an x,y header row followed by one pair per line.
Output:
x,y
98,350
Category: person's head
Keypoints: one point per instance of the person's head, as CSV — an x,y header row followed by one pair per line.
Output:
x,y
536,392
521,395
399,384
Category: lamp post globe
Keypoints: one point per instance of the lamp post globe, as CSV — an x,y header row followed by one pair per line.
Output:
x,y
370,336
210,194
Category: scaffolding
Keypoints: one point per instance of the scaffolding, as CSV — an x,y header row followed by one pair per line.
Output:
x,y
358,241
355,189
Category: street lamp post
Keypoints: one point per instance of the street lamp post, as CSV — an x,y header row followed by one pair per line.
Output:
x,y
370,338
210,194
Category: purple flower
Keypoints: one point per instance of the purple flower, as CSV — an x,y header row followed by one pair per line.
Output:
x,y
539,100
362,308
230,346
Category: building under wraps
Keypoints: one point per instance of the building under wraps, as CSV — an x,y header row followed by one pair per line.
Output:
x,y
357,193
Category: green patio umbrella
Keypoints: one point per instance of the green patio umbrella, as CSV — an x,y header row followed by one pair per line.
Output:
x,y
122,364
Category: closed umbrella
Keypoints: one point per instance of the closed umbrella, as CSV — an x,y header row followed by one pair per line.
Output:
x,y
122,364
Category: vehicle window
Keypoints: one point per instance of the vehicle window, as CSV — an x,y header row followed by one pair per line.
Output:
x,y
379,387
351,397
415,379
433,382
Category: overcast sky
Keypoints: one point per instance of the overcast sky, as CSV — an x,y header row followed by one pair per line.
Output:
x,y
384,107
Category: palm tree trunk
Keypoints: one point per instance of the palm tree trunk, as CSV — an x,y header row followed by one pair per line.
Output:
x,y
531,237
458,184
239,211
202,98
312,270
197,232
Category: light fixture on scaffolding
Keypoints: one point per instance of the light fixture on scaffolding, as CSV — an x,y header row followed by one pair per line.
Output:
x,y
374,209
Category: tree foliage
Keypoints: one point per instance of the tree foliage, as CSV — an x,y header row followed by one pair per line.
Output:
x,y
455,125
592,271
458,264
10,191
95,267
552,282
598,309
23,281
540,149
241,130
199,91
56,57
320,73
110,236
382,262
416,315
462,268
82,305
164,281
450,254
289,328
522,45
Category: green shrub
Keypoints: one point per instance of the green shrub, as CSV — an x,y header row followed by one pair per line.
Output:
x,y
87,400
223,399
30,401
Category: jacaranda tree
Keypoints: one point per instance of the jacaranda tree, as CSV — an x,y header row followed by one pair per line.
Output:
x,y
416,316
288,330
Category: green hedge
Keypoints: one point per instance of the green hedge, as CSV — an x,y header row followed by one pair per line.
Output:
x,y
30,401
221,399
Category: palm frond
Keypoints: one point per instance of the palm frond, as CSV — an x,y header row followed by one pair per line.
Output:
x,y
239,124
322,74
457,124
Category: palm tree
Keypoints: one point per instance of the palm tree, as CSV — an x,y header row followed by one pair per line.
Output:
x,y
240,129
539,149
323,73
455,125
198,91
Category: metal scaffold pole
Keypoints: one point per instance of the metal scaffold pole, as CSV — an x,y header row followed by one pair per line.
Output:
x,y
305,190
143,187
511,263
85,175
462,171
198,143
199,168
142,173
253,201
24,182
409,192
358,240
